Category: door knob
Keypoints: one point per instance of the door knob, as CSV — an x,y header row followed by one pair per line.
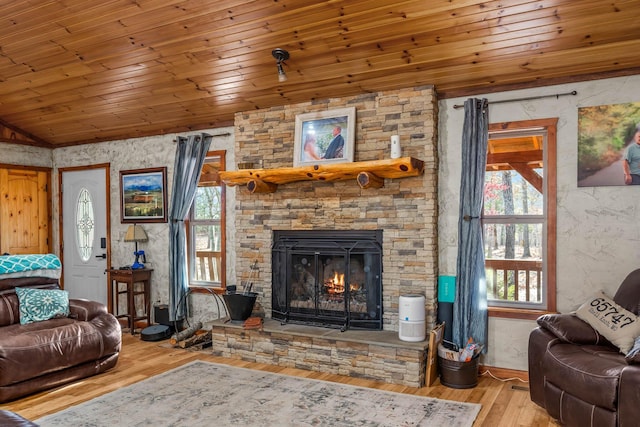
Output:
x,y
103,256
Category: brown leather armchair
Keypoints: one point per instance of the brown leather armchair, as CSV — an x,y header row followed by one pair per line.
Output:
x,y
579,377
41,355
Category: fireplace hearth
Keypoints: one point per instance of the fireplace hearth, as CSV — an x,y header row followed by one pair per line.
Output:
x,y
328,278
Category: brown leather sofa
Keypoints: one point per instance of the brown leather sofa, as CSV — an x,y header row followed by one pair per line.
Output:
x,y
579,377
41,355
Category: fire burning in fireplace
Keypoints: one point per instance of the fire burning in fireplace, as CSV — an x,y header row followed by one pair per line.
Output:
x,y
336,285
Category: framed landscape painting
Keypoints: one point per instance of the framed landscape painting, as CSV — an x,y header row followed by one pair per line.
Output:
x,y
324,137
143,195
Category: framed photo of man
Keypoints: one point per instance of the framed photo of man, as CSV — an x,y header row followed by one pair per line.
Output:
x,y
609,145
325,137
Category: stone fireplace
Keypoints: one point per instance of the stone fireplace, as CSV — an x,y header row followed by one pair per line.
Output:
x,y
403,214
330,278
405,210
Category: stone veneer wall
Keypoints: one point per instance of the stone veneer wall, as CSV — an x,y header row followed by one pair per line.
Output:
x,y
405,209
386,359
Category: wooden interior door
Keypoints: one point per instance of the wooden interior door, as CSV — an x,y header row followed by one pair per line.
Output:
x,y
25,211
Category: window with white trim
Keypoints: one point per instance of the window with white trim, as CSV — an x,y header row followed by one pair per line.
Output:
x,y
206,226
519,216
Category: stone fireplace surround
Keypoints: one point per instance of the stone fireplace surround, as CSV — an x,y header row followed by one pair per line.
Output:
x,y
406,209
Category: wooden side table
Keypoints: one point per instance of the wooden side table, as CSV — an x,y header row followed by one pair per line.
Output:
x,y
130,278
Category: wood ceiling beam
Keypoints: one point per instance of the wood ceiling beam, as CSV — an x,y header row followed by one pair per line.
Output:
x,y
14,135
530,175
529,156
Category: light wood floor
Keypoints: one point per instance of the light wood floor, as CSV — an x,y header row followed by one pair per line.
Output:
x,y
503,403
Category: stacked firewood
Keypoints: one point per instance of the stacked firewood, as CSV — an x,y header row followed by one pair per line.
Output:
x,y
191,336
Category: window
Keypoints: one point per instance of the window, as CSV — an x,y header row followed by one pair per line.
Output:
x,y
206,225
519,218
85,223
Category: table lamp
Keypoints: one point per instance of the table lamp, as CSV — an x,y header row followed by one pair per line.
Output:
x,y
135,233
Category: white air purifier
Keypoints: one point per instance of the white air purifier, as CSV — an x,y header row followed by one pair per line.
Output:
x,y
411,321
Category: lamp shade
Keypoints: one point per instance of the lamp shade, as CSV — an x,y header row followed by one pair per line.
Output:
x,y
135,233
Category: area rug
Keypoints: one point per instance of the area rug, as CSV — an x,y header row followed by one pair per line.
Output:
x,y
205,394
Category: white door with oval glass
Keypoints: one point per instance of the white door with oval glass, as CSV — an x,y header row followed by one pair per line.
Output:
x,y
85,234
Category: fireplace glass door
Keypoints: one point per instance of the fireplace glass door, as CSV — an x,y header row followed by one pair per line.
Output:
x,y
328,278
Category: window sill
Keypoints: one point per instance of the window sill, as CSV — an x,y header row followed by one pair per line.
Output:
x,y
200,289
516,313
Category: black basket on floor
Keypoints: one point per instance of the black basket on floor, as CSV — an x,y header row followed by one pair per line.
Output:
x,y
456,374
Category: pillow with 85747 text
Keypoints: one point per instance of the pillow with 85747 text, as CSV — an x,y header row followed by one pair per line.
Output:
x,y
615,323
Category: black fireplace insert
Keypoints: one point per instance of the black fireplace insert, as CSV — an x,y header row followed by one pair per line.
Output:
x,y
328,278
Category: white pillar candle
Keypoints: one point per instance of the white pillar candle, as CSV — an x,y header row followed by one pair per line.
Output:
x,y
395,146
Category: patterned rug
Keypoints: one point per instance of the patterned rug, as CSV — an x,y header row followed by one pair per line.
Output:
x,y
205,394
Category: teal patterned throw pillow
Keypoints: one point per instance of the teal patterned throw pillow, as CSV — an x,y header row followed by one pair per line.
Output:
x,y
42,304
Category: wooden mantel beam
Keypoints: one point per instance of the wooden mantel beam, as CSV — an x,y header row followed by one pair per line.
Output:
x,y
370,180
259,186
266,180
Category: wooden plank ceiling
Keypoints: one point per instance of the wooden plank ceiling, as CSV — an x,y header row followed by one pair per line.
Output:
x,y
82,71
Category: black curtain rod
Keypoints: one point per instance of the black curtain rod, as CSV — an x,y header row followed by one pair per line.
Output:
x,y
557,95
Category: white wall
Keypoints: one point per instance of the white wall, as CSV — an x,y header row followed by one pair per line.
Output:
x,y
598,232
139,153
25,155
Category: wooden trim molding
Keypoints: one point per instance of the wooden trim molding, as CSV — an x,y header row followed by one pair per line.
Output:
x,y
516,313
504,374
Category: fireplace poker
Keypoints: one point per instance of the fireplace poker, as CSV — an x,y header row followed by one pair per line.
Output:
x,y
253,273
248,291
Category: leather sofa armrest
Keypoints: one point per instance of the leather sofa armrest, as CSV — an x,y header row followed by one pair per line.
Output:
x,y
629,396
82,309
569,328
539,341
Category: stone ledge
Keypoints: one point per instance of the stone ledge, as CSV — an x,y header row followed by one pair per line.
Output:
x,y
376,355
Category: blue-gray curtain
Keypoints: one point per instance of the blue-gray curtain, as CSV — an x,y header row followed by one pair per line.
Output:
x,y
470,306
190,155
